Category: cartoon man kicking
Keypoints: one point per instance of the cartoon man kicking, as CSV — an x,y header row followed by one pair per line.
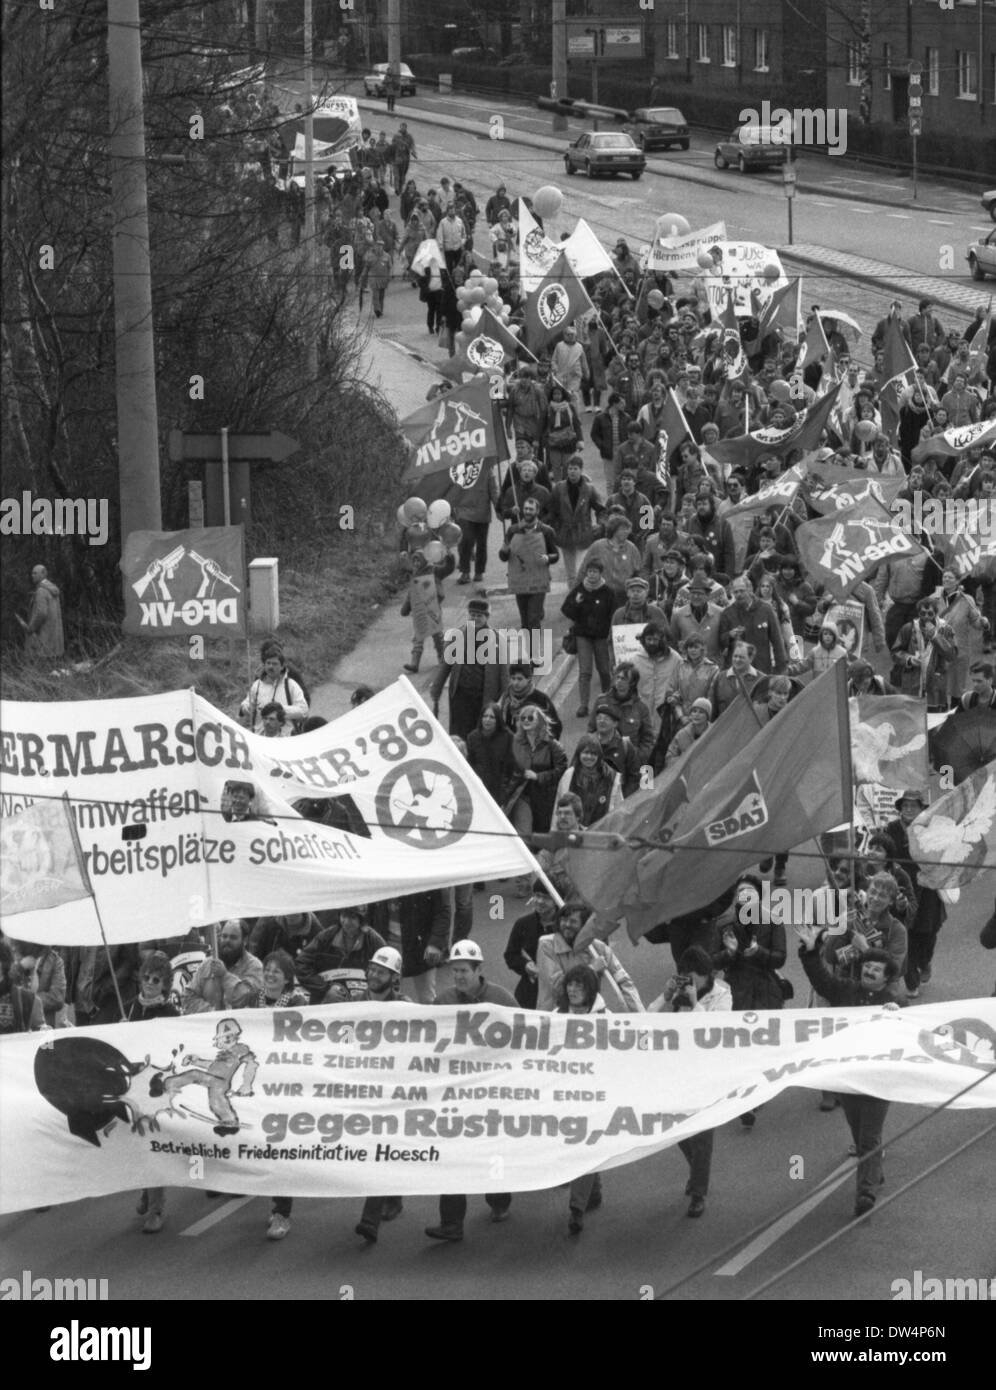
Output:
x,y
217,1075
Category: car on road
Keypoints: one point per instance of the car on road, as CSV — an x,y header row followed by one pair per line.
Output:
x,y
373,83
658,128
750,147
988,201
605,152
982,257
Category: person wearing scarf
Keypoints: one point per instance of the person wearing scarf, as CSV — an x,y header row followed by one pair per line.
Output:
x,y
593,780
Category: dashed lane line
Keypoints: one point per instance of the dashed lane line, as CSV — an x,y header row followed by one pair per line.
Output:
x,y
785,1223
227,1209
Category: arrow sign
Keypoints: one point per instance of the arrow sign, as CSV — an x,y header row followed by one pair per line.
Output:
x,y
262,446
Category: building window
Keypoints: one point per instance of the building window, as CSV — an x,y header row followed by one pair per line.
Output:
x,y
729,45
887,66
932,72
702,43
760,50
671,39
853,65
968,76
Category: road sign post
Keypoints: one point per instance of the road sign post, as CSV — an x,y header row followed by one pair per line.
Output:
x,y
235,452
788,175
915,113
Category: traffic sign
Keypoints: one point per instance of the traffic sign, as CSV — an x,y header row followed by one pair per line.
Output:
x,y
916,101
788,174
916,123
263,446
581,45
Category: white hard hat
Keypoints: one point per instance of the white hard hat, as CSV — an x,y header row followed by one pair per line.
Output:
x,y
389,958
467,950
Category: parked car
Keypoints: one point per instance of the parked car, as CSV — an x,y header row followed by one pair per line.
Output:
x,y
658,128
373,83
982,257
605,152
751,147
475,55
988,201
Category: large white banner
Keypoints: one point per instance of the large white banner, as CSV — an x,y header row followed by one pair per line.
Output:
x,y
673,253
186,818
359,1099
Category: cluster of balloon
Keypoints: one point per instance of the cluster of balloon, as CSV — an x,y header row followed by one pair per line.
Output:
x,y
429,528
480,292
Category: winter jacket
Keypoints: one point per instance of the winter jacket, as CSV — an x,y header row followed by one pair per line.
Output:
x,y
44,627
572,523
621,563
590,610
454,674
692,683
757,624
548,760
727,687
634,720
960,614
425,920
272,934
921,667
490,755
718,537
840,993
530,551
523,941
598,796
602,433
554,958
621,753
704,623
752,979
510,704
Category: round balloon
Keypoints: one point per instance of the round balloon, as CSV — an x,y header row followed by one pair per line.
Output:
x,y
655,299
672,224
415,510
771,273
439,511
450,533
402,516
866,430
490,284
547,201
704,260
435,552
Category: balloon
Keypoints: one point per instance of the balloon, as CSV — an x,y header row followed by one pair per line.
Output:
x,y
474,313
771,273
435,552
418,536
415,510
672,224
402,518
547,201
866,430
439,511
655,299
705,260
490,284
476,297
450,534
476,275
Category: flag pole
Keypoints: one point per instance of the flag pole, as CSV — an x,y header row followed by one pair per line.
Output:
x,y
85,876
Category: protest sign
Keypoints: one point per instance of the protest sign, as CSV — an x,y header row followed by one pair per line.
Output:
x,y
185,582
626,642
168,845
428,1100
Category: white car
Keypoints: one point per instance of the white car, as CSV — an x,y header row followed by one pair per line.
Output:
x,y
982,257
373,83
988,201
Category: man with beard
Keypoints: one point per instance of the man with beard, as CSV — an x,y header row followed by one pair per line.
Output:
x,y
232,981
749,620
555,955
469,987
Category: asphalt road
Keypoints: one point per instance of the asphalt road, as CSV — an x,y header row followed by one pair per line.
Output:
x,y
641,1243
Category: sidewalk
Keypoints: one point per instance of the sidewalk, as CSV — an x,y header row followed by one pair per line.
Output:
x,y
890,277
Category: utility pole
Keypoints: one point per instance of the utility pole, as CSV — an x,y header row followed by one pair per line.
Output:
x,y
558,87
394,36
312,295
134,345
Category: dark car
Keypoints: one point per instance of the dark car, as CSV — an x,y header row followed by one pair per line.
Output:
x,y
658,128
605,152
751,147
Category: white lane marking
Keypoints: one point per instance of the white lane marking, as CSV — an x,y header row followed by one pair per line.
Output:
x,y
865,212
785,1223
938,222
206,1222
903,216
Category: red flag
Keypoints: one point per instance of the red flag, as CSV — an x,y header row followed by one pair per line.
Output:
x,y
671,432
896,350
557,301
840,549
956,440
816,348
490,344
607,879
451,429
779,790
805,434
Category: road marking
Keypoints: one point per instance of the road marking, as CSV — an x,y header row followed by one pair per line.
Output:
x,y
785,1223
206,1222
903,216
865,212
938,222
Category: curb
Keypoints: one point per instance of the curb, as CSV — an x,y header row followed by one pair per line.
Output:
x,y
901,287
663,169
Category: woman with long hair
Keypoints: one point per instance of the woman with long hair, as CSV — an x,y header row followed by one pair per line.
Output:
x,y
578,993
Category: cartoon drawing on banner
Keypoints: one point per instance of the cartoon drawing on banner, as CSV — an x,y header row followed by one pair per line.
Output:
x,y
425,804
967,1042
217,1076
553,306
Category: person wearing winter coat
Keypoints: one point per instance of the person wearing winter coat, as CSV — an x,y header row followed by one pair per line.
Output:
x,y
697,617
739,675
619,557
638,608
424,604
655,664
633,715
47,971
540,763
699,718
593,780
716,533
616,748
693,679
275,685
756,622
958,611
574,510
43,628
828,650
521,692
922,653
578,994
561,431
589,607
526,405
471,683
752,950
796,592
489,752
555,955
530,551
523,943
